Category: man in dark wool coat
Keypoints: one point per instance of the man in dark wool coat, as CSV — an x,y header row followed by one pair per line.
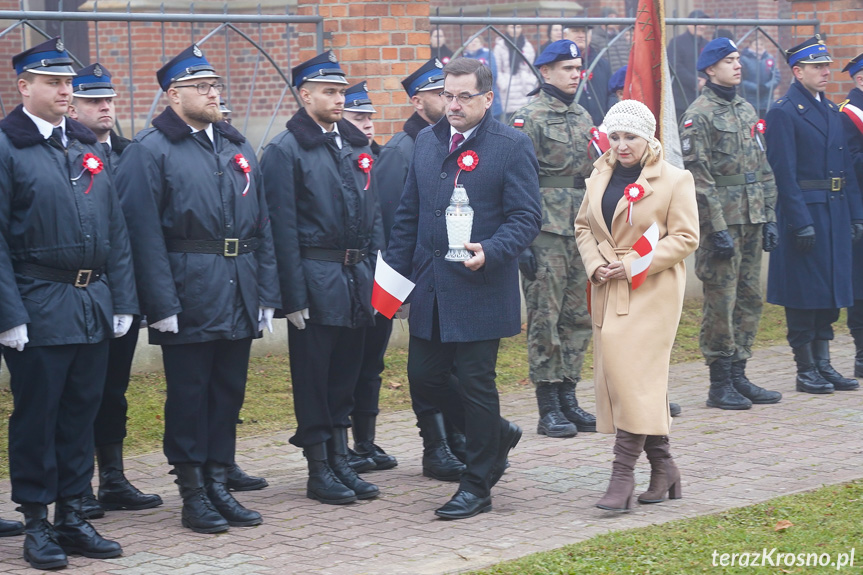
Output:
x,y
461,309
326,228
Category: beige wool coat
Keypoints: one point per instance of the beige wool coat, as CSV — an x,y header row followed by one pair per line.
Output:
x,y
633,331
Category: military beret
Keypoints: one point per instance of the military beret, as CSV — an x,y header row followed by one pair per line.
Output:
x,y
617,80
48,57
854,66
428,77
557,51
714,51
322,68
94,81
188,64
812,51
357,99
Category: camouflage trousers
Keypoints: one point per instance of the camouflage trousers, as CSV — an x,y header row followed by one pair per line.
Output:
x,y
732,295
558,325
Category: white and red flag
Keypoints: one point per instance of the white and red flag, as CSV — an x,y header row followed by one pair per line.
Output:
x,y
391,289
644,247
854,113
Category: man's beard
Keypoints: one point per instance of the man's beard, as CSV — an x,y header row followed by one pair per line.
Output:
x,y
208,114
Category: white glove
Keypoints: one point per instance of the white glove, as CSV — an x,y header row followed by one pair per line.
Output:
x,y
167,324
122,323
298,318
404,311
265,318
15,337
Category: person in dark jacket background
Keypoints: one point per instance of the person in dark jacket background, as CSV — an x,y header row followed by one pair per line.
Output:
x,y
66,288
759,76
595,96
206,274
683,52
93,106
326,228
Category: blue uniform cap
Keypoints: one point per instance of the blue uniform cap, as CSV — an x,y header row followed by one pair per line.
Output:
x,y
357,99
617,80
188,64
322,68
47,58
223,106
714,51
94,81
428,77
812,51
557,51
854,66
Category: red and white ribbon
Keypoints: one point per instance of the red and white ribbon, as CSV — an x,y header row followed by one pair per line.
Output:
x,y
243,166
632,193
854,113
644,247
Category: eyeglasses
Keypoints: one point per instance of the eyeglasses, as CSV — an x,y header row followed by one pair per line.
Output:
x,y
204,87
462,98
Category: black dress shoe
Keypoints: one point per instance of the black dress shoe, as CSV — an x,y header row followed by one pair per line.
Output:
x,y
509,438
10,528
464,504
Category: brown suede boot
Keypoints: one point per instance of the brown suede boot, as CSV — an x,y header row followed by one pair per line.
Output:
x,y
664,475
627,448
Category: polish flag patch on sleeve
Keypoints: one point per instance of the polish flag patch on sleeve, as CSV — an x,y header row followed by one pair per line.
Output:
x,y
687,123
518,122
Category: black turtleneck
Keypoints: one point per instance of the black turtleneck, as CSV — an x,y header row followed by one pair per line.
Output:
x,y
727,93
620,178
556,92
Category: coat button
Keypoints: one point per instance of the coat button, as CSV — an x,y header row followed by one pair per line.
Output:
x,y
443,175
437,213
437,253
431,288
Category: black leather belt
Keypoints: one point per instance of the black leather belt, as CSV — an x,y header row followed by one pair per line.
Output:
x,y
742,179
78,278
349,257
561,182
229,247
833,184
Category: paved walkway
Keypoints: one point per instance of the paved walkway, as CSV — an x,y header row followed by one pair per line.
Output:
x,y
545,500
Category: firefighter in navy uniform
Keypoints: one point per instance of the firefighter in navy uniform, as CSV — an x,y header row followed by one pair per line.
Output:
x,y
819,213
66,287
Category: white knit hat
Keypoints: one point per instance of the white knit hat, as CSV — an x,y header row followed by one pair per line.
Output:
x,y
633,117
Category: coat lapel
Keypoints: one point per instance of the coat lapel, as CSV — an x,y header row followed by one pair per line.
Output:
x,y
595,191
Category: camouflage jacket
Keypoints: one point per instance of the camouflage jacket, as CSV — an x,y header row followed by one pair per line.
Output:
x,y
560,135
719,140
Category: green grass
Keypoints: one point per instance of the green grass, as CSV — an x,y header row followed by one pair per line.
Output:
x,y
829,520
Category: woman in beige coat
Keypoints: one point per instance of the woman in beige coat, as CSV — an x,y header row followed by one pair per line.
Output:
x,y
634,327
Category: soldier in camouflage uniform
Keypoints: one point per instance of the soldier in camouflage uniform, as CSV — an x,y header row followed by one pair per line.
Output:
x,y
723,146
553,276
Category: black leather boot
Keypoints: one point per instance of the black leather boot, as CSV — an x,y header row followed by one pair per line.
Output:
x,y
90,506
748,389
199,513
583,420
674,409
821,355
10,528
809,380
323,485
41,549
115,491
76,536
858,355
215,479
552,422
359,463
456,440
337,455
722,393
438,461
239,480
364,443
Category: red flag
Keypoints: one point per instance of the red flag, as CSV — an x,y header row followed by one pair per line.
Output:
x,y
391,289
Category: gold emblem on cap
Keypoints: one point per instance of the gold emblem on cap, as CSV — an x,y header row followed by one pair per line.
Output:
x,y
97,71
800,106
59,46
197,51
332,57
438,63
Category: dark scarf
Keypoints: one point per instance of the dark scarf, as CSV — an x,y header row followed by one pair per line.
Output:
x,y
726,93
556,92
175,128
309,134
413,125
516,58
23,133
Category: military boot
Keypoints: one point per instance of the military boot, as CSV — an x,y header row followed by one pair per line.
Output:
x,y
337,454
456,440
239,480
821,355
41,549
76,536
748,389
552,423
91,507
199,514
438,461
323,485
583,420
364,443
115,491
809,380
858,355
215,480
722,393
10,528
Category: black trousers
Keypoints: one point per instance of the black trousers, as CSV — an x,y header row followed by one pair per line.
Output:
x,y
325,364
474,408
367,392
56,390
206,388
807,325
110,425
855,316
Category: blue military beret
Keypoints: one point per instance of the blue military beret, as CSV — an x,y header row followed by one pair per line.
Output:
x,y
428,77
322,68
617,80
557,51
357,99
188,64
94,81
812,51
48,57
714,51
854,66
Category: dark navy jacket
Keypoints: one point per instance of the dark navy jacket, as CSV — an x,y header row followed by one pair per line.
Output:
x,y
806,141
175,187
855,144
46,218
504,192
